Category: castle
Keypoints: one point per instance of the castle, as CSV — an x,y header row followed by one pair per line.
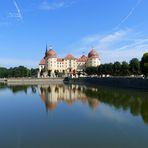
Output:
x,y
51,65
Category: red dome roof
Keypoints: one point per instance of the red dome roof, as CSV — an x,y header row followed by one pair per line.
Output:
x,y
93,54
69,57
42,62
84,58
51,54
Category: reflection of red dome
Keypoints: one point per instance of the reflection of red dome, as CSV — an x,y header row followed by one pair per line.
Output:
x,y
52,106
69,102
51,54
93,103
69,57
93,54
43,97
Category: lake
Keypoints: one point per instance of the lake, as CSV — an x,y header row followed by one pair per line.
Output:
x,y
72,116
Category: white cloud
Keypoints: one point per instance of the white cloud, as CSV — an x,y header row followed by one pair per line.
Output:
x,y
47,6
115,36
129,14
122,45
17,14
105,41
7,62
55,5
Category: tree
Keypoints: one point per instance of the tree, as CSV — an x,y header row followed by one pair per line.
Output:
x,y
109,68
134,65
144,64
33,72
105,69
116,68
125,69
3,72
20,71
91,70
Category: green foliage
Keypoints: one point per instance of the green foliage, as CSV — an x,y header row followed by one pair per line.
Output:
x,y
3,72
117,69
91,70
125,69
134,66
20,71
144,64
105,69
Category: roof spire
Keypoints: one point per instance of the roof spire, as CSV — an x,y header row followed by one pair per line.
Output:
x,y
46,47
46,51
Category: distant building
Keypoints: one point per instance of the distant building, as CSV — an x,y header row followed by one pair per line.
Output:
x,y
51,65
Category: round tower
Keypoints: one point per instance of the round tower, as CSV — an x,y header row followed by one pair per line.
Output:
x,y
93,59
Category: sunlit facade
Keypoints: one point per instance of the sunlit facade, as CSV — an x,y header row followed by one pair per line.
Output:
x,y
68,65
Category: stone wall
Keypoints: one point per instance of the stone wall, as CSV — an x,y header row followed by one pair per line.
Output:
x,y
34,81
135,83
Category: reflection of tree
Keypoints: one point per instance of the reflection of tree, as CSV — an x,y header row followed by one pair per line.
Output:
x,y
144,111
135,107
3,86
16,89
33,88
19,88
137,103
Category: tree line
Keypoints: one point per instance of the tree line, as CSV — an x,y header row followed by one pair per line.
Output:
x,y
19,71
134,67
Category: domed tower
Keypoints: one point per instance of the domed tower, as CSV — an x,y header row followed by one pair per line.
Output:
x,y
93,59
51,60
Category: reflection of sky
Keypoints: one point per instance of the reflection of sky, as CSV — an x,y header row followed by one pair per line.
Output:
x,y
4,92
25,122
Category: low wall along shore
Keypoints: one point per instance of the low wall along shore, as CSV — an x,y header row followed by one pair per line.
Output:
x,y
32,80
135,83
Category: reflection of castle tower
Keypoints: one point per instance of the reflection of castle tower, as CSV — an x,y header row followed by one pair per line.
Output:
x,y
50,65
54,94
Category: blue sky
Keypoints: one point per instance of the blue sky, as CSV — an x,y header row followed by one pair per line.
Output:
x,y
117,29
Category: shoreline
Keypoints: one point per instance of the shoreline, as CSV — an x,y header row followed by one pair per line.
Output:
x,y
31,81
116,82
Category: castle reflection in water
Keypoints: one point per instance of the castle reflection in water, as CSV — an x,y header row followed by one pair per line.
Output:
x,y
134,102
57,93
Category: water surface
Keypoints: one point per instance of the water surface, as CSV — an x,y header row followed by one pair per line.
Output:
x,y
76,116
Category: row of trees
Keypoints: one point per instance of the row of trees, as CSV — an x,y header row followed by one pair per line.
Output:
x,y
134,67
20,71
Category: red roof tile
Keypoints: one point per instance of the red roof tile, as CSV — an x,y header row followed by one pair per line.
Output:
x,y
69,57
42,62
51,54
93,54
